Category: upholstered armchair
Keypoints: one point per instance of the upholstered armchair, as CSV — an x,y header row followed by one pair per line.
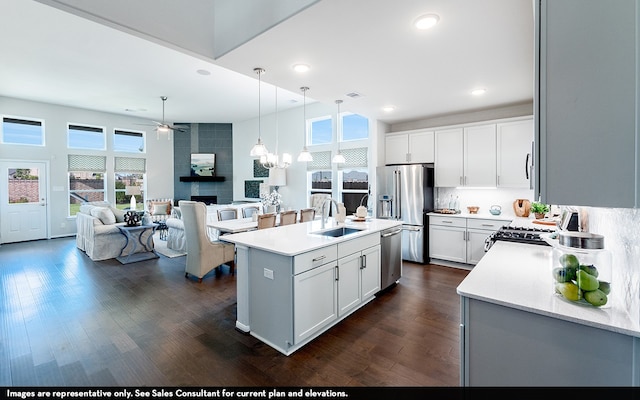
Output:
x,y
202,255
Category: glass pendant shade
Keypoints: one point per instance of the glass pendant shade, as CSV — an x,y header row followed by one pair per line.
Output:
x,y
304,155
338,159
258,149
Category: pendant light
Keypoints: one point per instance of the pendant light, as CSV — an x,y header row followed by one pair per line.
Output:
x,y
304,155
259,149
338,158
272,160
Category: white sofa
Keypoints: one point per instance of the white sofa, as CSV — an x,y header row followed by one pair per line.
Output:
x,y
175,232
98,234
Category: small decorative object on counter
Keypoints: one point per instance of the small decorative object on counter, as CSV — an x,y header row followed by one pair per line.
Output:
x,y
581,269
495,209
539,209
522,207
131,218
473,209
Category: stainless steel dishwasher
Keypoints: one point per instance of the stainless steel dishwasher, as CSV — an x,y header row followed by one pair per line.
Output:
x,y
391,256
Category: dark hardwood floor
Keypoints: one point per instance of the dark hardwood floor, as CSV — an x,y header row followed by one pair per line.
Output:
x,y
68,321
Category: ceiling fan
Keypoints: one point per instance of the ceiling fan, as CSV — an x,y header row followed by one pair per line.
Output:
x,y
163,127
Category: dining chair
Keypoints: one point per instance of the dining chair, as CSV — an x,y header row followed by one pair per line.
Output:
x,y
266,221
307,214
288,217
227,213
203,255
249,211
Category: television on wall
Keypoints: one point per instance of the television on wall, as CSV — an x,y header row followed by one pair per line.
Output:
x,y
203,164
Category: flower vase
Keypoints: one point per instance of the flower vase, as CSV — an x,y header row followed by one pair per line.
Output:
x,y
271,209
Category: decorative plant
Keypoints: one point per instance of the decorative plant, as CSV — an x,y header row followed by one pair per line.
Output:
x,y
539,208
272,199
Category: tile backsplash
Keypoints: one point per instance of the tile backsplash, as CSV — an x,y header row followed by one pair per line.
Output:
x,y
621,230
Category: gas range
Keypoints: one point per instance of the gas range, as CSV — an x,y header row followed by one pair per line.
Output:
x,y
519,235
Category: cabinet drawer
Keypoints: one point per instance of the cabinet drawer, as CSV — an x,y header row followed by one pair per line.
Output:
x,y
487,224
448,221
315,258
358,244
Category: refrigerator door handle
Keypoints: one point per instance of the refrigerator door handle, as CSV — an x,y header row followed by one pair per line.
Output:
x,y
398,195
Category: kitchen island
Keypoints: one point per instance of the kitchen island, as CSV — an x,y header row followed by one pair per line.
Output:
x,y
515,331
296,281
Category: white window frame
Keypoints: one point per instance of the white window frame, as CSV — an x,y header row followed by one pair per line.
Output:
x,y
26,119
89,128
142,133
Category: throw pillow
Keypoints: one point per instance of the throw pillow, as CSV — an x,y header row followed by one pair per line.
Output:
x,y
160,208
119,214
105,215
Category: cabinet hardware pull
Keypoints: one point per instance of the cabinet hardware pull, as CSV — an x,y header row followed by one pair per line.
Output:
x,y
444,221
364,261
337,273
319,258
491,225
526,165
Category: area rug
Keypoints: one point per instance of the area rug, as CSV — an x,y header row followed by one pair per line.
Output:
x,y
161,247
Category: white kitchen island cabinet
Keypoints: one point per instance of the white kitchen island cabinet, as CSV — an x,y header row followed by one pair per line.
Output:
x,y
587,102
294,284
514,331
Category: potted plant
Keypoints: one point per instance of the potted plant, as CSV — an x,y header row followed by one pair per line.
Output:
x,y
539,209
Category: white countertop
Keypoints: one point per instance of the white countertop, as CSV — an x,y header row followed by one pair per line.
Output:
x,y
518,275
290,240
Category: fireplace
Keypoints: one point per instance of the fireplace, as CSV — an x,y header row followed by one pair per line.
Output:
x,y
206,199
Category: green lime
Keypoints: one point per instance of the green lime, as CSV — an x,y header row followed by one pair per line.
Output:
x,y
569,261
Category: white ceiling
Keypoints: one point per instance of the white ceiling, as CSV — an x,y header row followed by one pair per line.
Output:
x,y
364,46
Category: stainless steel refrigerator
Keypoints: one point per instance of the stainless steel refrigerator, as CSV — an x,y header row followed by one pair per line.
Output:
x,y
405,193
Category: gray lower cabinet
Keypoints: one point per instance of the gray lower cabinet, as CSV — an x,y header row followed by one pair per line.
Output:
x,y
504,346
294,299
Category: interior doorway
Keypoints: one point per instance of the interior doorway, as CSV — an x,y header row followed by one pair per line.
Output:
x,y
23,201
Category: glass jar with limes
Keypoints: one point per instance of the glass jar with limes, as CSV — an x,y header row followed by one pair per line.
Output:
x,y
581,269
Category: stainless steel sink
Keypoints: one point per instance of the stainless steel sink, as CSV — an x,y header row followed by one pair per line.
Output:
x,y
337,232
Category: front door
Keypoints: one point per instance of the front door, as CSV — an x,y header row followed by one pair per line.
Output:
x,y
23,201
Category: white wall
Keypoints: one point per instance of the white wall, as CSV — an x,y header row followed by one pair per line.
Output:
x,y
56,118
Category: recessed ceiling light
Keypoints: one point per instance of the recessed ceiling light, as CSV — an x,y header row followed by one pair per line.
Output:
x,y
301,67
478,92
203,72
426,21
388,108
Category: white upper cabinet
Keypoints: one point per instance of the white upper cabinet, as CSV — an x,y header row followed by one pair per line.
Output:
x,y
515,157
449,159
588,99
409,147
466,156
480,156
